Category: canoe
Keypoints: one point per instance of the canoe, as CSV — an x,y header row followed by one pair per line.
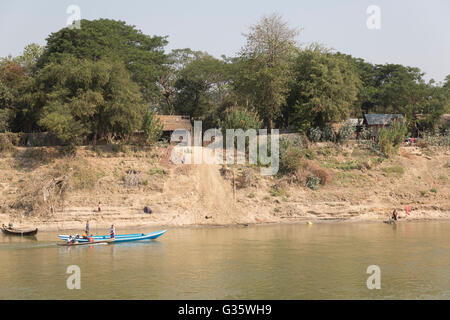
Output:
x,y
19,232
65,244
122,237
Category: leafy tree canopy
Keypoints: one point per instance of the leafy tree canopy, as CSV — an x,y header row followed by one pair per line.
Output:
x,y
325,87
264,67
98,39
88,98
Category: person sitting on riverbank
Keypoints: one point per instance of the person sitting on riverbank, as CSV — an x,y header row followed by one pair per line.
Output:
x,y
394,215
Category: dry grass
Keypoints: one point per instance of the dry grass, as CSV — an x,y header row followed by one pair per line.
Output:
x,y
310,167
408,155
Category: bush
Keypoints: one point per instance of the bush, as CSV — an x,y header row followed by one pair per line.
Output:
x,y
389,139
328,134
313,182
279,192
5,143
4,120
116,148
322,174
315,134
290,160
240,118
345,133
152,127
441,140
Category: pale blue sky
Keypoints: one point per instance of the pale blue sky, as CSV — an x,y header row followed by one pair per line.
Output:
x,y
414,33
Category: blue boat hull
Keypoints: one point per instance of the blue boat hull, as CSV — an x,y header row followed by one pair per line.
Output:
x,y
123,237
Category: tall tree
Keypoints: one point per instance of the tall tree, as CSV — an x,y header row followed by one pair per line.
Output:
x,y
87,98
29,58
325,88
177,60
13,80
400,89
141,54
202,87
264,66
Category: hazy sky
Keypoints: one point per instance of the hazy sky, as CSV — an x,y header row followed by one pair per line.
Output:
x,y
413,32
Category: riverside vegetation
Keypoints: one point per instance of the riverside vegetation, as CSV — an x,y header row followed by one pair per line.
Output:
x,y
317,182
95,92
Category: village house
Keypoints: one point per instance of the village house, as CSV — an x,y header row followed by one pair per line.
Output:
x,y
374,122
172,123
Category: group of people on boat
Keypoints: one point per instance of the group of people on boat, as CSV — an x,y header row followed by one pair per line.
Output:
x,y
74,239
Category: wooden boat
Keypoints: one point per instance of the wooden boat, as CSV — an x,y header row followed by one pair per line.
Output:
x,y
122,238
19,232
65,244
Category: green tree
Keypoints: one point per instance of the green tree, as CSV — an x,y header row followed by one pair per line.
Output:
x,y
5,107
264,67
202,86
141,54
177,60
13,83
87,99
325,87
29,58
400,89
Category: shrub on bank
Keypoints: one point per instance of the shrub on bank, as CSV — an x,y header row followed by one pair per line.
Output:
x,y
390,139
345,133
290,160
313,182
5,144
440,140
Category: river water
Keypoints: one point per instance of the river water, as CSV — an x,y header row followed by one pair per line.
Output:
x,y
320,261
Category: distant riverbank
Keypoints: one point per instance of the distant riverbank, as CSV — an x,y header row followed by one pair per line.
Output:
x,y
359,187
130,222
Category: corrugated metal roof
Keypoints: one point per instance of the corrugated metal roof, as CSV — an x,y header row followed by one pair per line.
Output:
x,y
381,119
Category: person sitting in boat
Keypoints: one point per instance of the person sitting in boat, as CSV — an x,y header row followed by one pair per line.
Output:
x,y
70,239
112,231
85,235
91,238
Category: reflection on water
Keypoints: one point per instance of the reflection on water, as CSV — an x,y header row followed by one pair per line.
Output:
x,y
322,261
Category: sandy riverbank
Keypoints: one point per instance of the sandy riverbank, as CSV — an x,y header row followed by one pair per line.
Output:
x,y
361,189
99,224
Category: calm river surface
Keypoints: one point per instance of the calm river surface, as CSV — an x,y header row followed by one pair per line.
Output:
x,y
321,261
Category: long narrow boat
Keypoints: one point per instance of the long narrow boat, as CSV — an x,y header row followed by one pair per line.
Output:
x,y
122,237
65,244
19,232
